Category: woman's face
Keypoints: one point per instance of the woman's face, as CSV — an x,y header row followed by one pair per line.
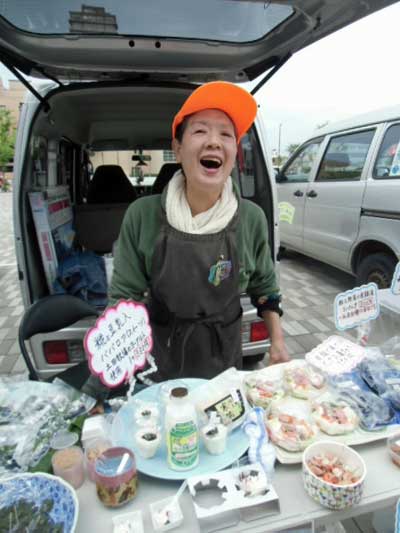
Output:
x,y
208,150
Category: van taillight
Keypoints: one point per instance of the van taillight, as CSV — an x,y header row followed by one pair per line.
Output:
x,y
56,352
258,331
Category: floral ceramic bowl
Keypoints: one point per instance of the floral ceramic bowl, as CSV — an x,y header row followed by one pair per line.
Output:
x,y
37,502
342,484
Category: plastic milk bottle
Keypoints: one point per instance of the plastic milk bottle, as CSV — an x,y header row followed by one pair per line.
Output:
x,y
182,433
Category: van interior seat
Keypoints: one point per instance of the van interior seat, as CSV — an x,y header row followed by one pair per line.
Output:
x,y
110,185
97,226
165,174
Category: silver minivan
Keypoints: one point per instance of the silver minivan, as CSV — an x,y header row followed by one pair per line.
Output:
x,y
339,196
118,73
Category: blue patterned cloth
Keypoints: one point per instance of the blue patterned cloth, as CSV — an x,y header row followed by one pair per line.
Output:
x,y
83,274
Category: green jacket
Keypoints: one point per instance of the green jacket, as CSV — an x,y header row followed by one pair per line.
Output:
x,y
140,228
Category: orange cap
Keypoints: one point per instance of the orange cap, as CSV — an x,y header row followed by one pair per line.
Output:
x,y
236,102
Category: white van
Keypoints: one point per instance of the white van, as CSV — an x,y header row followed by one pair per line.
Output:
x,y
119,73
339,196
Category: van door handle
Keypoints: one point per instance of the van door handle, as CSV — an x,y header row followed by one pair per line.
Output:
x,y
298,193
312,194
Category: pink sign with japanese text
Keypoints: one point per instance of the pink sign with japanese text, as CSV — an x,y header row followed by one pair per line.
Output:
x,y
119,343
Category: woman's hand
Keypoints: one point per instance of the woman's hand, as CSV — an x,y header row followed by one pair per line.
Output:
x,y
278,353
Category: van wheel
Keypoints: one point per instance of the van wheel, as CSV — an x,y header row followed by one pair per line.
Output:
x,y
376,268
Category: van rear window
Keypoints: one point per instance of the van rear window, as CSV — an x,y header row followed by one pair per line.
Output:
x,y
235,21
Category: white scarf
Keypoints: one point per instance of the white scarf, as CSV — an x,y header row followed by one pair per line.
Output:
x,y
213,220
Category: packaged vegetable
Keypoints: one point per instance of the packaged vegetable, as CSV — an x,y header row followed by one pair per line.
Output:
x,y
262,390
290,432
374,413
334,416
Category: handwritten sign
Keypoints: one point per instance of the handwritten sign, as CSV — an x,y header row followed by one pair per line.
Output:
x,y
336,355
120,343
395,286
286,212
357,306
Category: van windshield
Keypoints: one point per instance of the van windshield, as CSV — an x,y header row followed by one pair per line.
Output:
x,y
217,20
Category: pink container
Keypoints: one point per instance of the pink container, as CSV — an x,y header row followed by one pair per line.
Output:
x,y
68,464
115,489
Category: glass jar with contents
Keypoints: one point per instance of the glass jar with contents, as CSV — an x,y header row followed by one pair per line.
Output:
x,y
182,433
115,476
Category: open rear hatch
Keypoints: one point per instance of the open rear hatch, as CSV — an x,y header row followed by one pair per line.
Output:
x,y
235,40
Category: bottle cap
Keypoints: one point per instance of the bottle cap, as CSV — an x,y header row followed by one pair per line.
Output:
x,y
179,392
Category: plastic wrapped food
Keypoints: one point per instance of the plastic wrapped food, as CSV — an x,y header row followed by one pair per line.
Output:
x,y
334,416
290,432
382,379
302,381
34,411
374,413
261,391
391,351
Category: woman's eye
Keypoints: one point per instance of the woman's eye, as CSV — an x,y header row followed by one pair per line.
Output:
x,y
227,134
200,130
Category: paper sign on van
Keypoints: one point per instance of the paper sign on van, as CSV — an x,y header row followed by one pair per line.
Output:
x,y
357,306
286,212
120,343
395,286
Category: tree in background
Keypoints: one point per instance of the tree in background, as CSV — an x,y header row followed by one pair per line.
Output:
x,y
292,148
7,143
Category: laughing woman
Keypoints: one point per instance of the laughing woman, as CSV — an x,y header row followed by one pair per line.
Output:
x,y
190,252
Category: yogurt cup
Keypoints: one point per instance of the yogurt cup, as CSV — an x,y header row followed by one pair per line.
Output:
x,y
214,438
147,441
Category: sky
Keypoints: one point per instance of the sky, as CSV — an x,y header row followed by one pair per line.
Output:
x,y
352,71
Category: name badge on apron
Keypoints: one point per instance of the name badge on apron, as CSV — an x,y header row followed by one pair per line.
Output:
x,y
220,271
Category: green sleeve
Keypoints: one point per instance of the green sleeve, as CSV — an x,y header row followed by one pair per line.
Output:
x,y
129,279
262,284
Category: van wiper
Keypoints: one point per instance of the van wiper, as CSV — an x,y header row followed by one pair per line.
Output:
x,y
17,74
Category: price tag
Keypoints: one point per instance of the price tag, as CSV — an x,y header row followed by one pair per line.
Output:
x,y
395,286
120,343
357,306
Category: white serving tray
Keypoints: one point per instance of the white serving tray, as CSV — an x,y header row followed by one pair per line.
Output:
x,y
356,437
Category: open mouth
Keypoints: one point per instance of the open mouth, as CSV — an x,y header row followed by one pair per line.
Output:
x,y
210,163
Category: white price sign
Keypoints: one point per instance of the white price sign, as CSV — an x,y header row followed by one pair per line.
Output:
x,y
357,306
120,343
395,287
336,355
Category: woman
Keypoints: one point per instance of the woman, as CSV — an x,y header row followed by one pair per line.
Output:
x,y
189,252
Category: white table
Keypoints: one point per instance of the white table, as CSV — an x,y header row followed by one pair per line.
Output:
x,y
382,488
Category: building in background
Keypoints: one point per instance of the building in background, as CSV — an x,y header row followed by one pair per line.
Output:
x,y
92,19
